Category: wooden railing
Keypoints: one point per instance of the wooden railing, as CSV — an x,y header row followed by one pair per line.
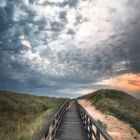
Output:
x,y
94,131
48,132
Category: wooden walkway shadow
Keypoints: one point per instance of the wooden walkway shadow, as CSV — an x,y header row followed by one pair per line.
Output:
x,y
71,127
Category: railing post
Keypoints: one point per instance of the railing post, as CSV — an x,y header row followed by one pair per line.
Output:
x,y
89,122
50,129
90,129
98,134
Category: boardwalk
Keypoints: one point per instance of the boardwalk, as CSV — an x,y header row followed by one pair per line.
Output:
x,y
73,124
71,127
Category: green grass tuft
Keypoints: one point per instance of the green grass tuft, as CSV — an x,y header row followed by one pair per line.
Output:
x,y
103,125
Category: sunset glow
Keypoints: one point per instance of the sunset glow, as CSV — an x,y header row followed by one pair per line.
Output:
x,y
127,82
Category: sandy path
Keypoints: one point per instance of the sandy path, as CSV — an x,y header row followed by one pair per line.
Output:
x,y
116,128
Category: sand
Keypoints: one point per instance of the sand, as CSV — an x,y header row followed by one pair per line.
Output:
x,y
119,130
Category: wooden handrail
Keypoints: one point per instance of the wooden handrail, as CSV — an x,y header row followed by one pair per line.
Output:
x,y
48,132
94,131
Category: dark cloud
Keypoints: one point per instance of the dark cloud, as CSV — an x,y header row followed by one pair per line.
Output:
x,y
70,3
73,3
62,16
128,48
5,18
40,51
56,26
71,32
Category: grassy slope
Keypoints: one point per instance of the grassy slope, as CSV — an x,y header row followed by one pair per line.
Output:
x,y
117,103
21,115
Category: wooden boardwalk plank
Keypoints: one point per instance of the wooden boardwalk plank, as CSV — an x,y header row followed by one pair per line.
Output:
x,y
71,127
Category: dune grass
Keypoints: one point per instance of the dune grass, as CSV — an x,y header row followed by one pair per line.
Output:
x,y
117,103
22,116
102,124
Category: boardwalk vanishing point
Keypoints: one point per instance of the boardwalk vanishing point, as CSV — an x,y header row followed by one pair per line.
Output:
x,y
71,127
72,123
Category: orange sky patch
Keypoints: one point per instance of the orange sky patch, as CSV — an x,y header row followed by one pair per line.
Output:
x,y
127,82
87,91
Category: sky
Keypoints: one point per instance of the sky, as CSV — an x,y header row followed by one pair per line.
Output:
x,y
68,48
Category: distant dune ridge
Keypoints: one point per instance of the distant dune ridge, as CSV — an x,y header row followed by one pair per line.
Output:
x,y
118,104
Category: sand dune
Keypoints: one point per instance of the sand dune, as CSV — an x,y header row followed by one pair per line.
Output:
x,y
119,130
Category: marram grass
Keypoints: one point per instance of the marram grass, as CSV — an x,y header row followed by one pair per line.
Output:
x,y
22,116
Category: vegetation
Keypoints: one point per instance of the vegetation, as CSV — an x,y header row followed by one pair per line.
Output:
x,y
21,115
117,103
103,125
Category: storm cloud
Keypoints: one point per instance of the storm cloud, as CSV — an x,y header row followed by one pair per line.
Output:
x,y
62,47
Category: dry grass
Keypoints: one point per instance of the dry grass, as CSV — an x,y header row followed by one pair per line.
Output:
x,y
21,115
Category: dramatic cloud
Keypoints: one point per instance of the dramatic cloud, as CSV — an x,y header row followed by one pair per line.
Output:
x,y
129,82
65,47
